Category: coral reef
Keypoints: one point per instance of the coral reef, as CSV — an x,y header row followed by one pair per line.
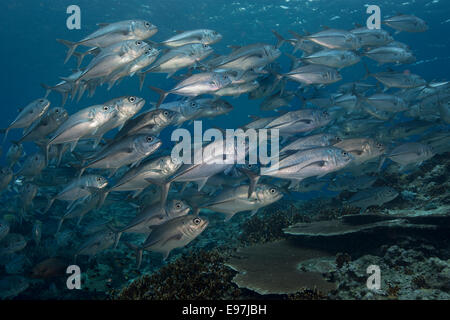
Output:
x,y
197,275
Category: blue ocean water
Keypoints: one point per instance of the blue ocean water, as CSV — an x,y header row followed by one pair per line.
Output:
x,y
31,55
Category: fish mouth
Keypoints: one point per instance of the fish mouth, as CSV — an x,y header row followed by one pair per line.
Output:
x,y
140,103
204,223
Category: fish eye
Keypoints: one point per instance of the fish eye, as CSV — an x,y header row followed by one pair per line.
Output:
x,y
178,205
147,24
272,190
132,99
325,113
56,110
215,33
138,43
196,221
193,104
166,113
106,108
344,153
205,46
149,139
41,101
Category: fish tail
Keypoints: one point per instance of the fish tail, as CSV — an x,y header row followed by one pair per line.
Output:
x,y
49,204
71,45
165,186
117,239
138,251
80,56
368,74
162,95
280,39
141,76
5,132
59,225
47,88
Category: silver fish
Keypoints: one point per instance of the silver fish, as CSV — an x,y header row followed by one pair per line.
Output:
x,y
390,55
299,121
175,233
351,183
33,166
96,244
151,122
129,150
333,58
81,206
372,197
314,74
309,163
202,36
362,149
135,179
233,200
372,37
15,152
335,39
124,109
407,23
153,216
6,175
313,141
32,112
113,33
45,126
411,153
178,58
146,59
78,188
85,122
195,85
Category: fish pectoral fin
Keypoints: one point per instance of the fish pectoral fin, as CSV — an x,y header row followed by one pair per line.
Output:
x,y
175,237
201,183
307,121
356,152
320,163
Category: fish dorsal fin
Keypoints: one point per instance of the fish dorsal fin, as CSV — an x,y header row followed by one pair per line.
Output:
x,y
101,25
179,31
357,25
326,28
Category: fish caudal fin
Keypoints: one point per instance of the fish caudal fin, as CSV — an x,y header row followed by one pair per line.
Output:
x,y
138,252
71,45
162,95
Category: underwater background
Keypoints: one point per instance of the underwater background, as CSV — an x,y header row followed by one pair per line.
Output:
x,y
407,237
